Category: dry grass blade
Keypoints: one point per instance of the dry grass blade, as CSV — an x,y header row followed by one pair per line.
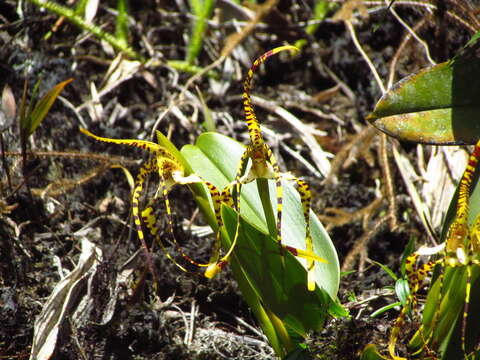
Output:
x,y
306,133
235,39
57,307
119,71
445,165
387,175
361,247
409,177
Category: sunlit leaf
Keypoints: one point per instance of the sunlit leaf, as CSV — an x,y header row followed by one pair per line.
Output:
x,y
43,106
385,309
121,26
256,258
402,290
438,105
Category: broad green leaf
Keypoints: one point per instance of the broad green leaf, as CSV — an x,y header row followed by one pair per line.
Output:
x,y
42,108
249,294
438,105
281,287
215,157
282,290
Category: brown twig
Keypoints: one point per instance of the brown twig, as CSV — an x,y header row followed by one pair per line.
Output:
x,y
76,155
360,143
4,164
61,186
398,52
342,217
361,247
387,175
235,39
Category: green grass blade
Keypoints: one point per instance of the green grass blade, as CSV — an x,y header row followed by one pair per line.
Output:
x,y
43,106
202,10
121,26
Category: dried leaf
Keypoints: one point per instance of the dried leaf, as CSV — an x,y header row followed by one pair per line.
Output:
x,y
9,106
57,307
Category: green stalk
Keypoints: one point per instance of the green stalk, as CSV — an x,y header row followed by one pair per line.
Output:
x,y
281,331
267,323
202,10
263,191
71,16
320,12
119,42
121,27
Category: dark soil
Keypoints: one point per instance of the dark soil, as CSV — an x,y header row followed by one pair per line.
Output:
x,y
49,203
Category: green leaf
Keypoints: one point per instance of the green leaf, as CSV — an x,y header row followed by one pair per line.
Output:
x,y
402,290
281,287
387,270
370,352
42,108
202,11
446,332
385,308
438,105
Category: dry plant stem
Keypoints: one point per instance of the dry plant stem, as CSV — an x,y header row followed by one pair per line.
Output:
x,y
189,334
383,145
342,217
413,33
317,62
319,156
75,155
365,56
387,175
398,53
4,164
472,23
235,39
361,247
363,138
80,348
61,186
